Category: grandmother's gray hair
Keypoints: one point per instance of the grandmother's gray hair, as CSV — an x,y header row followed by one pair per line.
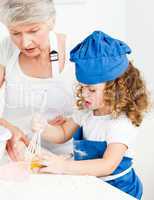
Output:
x,y
26,11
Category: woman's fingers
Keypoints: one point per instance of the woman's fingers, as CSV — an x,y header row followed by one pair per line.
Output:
x,y
17,144
16,149
37,127
19,150
38,123
10,151
25,140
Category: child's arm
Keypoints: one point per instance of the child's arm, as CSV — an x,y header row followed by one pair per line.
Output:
x,y
99,167
55,133
96,167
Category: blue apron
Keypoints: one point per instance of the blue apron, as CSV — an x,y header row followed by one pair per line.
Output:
x,y
86,149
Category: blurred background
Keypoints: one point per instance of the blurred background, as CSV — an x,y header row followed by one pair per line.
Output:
x,y
131,21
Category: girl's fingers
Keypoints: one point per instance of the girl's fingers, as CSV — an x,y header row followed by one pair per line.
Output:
x,y
37,127
52,122
60,122
25,140
57,121
45,170
38,122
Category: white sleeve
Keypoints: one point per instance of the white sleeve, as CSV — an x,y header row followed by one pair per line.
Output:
x,y
80,117
6,50
121,131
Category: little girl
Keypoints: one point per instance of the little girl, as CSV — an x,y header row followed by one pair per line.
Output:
x,y
111,99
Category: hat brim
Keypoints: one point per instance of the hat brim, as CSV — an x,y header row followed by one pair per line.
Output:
x,y
91,74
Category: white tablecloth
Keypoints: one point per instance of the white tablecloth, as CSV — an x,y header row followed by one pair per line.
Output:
x,y
50,187
58,187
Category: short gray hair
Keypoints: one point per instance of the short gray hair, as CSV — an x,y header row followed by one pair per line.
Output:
x,y
26,11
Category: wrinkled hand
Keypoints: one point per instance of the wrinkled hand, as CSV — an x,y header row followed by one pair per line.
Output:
x,y
17,144
38,123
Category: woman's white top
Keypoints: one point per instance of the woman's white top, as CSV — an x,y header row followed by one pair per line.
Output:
x,y
25,95
105,128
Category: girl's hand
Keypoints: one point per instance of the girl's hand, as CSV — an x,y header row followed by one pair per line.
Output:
x,y
38,123
54,164
59,120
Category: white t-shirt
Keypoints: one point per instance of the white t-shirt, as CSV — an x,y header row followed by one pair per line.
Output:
x,y
6,50
105,128
24,94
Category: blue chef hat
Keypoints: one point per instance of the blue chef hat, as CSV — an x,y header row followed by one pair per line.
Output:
x,y
99,58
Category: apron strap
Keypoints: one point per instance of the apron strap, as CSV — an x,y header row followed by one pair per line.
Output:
x,y
112,177
54,49
11,62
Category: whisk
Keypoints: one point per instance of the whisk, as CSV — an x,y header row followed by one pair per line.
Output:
x,y
34,147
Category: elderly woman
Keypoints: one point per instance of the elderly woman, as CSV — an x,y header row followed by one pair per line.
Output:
x,y
33,65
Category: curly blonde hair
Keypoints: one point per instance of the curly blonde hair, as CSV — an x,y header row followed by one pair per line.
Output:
x,y
125,95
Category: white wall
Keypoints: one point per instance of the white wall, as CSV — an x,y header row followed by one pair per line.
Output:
x,y
140,36
79,20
